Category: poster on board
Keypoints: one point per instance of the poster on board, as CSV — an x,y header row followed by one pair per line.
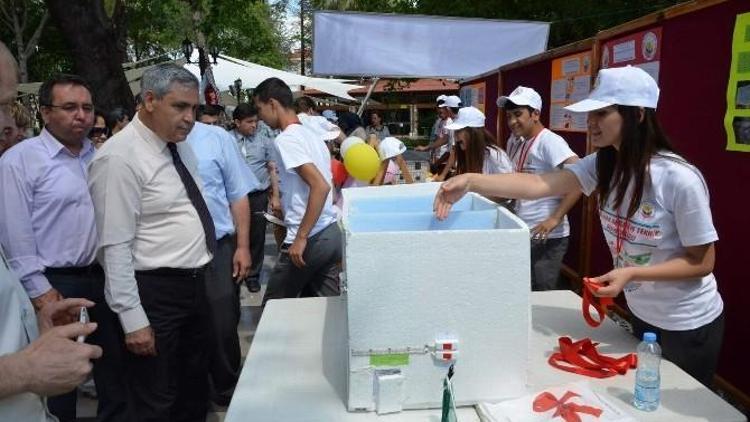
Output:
x,y
473,95
737,117
571,82
642,49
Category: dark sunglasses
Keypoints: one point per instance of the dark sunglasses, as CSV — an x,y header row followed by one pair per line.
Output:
x,y
98,131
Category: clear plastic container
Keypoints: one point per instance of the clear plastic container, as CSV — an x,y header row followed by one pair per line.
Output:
x,y
647,378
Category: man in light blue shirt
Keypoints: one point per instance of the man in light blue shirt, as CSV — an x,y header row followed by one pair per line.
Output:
x,y
48,230
255,140
227,180
58,363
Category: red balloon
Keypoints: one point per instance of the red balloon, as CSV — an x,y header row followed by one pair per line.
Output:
x,y
339,172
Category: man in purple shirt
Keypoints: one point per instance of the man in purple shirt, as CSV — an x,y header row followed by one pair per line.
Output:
x,y
48,230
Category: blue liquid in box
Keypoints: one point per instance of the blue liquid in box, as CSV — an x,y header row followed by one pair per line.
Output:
x,y
403,213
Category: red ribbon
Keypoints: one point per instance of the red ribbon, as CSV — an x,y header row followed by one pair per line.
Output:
x,y
600,304
568,411
581,357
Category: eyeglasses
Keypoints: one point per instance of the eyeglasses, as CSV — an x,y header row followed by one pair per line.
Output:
x,y
98,131
72,107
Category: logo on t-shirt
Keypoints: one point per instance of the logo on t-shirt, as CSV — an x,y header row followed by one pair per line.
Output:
x,y
632,286
647,211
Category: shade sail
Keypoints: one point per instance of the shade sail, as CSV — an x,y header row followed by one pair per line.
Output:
x,y
391,45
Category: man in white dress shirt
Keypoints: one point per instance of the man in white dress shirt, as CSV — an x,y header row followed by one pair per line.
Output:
x,y
155,238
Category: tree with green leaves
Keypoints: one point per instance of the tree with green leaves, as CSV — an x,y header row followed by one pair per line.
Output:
x,y
26,20
94,37
94,31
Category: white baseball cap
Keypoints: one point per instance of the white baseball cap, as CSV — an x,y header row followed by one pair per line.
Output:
x,y
522,96
390,147
348,143
441,97
451,101
628,86
467,117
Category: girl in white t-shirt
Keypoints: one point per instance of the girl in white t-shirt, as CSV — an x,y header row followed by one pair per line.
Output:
x,y
478,151
655,215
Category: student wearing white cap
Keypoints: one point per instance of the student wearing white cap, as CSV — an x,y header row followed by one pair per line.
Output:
x,y
477,150
438,119
448,107
392,163
535,149
655,214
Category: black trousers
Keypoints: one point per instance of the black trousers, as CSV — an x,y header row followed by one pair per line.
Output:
x,y
111,388
173,385
546,259
695,351
224,309
258,204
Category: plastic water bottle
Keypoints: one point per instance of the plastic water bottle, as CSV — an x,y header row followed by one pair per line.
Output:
x,y
647,380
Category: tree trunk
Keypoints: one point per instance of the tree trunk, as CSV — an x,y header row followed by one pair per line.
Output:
x,y
96,43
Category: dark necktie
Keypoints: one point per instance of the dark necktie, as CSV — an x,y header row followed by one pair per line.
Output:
x,y
195,197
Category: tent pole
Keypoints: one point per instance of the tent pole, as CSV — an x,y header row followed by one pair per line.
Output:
x,y
367,97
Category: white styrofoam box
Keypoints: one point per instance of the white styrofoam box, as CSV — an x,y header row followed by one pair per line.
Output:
x,y
412,281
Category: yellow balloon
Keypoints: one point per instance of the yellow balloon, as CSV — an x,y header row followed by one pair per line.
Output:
x,y
362,162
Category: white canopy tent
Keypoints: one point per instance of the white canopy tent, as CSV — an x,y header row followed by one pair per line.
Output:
x,y
228,69
132,74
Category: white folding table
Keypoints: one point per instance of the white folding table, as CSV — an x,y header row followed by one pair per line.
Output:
x,y
296,368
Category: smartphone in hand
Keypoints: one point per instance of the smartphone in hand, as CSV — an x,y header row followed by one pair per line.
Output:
x,y
83,318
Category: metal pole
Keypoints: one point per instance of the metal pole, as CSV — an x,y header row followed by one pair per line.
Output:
x,y
302,36
367,97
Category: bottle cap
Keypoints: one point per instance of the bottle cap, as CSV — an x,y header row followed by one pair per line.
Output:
x,y
649,337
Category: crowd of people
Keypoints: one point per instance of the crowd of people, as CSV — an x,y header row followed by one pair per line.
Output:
x,y
154,221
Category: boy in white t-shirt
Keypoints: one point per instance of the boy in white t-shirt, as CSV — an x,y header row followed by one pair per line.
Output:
x,y
535,149
310,256
442,148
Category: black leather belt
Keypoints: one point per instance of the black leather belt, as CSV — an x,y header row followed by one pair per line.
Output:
x,y
94,268
174,272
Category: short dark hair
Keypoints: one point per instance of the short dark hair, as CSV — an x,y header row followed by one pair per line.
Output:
x,y
102,114
138,98
510,105
118,114
276,89
243,111
348,122
209,110
303,104
45,91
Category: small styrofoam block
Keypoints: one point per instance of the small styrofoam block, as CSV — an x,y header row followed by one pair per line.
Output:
x,y
389,392
410,281
361,379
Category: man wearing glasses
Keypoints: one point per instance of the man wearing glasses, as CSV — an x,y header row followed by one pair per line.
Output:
x,y
48,231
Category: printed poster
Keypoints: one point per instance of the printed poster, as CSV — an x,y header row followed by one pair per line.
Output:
x,y
473,95
642,49
737,117
571,82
